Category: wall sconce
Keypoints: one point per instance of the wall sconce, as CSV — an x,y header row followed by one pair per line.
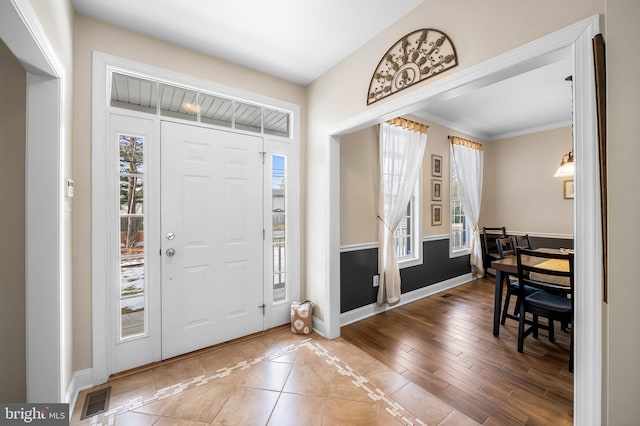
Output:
x,y
566,166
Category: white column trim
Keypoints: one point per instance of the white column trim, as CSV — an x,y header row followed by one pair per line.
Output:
x,y
46,339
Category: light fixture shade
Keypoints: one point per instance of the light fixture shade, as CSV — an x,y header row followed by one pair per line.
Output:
x,y
566,170
566,166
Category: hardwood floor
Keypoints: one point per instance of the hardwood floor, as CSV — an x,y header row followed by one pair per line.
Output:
x,y
444,343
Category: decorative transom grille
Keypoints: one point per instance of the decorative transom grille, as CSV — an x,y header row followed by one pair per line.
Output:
x,y
415,57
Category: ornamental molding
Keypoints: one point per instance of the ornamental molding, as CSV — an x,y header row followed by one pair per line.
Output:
x,y
417,56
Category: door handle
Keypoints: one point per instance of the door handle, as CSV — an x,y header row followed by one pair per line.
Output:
x,y
171,252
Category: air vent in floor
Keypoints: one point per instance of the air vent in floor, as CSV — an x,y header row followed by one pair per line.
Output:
x,y
96,402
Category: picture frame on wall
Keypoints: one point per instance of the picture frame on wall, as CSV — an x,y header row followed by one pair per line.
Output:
x,y
436,165
436,190
436,214
567,189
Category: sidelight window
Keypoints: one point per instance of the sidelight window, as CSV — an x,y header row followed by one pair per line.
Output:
x,y
279,223
132,240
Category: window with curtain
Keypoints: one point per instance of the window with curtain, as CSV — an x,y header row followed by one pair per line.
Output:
x,y
459,242
401,144
467,164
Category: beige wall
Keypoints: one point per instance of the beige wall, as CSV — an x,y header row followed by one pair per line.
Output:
x,y
519,190
623,87
359,183
12,260
93,35
359,187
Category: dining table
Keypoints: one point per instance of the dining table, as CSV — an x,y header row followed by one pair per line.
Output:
x,y
509,266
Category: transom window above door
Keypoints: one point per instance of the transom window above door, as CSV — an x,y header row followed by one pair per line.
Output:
x,y
169,100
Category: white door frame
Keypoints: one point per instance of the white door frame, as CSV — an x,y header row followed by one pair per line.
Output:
x,y
100,205
46,297
588,306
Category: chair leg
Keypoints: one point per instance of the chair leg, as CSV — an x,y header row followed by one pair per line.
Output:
x,y
521,329
507,299
535,326
516,309
552,335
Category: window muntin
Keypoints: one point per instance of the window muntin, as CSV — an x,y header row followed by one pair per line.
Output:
x,y
460,231
132,299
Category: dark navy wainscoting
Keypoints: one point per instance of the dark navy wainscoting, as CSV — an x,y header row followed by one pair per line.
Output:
x,y
550,242
358,267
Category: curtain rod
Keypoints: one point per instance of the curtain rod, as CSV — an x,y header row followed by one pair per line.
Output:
x,y
465,142
408,124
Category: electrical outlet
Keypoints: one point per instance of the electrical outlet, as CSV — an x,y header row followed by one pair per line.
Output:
x,y
376,280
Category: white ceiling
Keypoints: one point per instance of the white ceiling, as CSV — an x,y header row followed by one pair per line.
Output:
x,y
300,40
295,40
530,102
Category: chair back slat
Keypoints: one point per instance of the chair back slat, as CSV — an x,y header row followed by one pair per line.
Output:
x,y
523,241
531,274
505,247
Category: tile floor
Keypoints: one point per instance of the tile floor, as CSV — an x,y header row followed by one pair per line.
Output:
x,y
276,378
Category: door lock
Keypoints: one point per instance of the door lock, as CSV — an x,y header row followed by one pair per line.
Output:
x,y
170,235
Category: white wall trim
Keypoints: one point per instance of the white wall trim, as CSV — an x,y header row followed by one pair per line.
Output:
x,y
367,246
587,402
577,37
80,381
436,237
46,359
541,235
372,309
357,247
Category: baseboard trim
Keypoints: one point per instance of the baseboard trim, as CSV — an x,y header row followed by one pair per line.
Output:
x,y
363,312
80,381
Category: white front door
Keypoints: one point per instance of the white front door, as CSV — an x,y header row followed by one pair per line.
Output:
x,y
212,236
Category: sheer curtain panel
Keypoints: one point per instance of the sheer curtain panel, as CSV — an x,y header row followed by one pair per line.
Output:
x,y
468,159
402,144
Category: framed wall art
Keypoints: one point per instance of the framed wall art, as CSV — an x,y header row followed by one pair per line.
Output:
x,y
436,214
567,189
436,165
436,190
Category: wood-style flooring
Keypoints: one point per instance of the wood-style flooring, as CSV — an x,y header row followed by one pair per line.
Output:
x,y
444,343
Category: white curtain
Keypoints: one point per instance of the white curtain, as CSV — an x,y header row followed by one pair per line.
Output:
x,y
401,152
467,158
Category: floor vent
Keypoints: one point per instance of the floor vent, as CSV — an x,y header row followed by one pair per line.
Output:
x,y
96,402
447,295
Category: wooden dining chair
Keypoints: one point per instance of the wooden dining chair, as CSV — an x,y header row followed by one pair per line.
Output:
x,y
554,298
506,247
488,242
522,241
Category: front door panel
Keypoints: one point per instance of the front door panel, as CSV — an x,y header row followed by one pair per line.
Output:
x,y
212,237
